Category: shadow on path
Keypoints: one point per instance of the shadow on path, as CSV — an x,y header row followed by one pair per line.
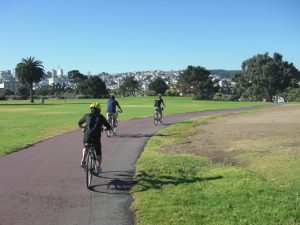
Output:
x,y
114,182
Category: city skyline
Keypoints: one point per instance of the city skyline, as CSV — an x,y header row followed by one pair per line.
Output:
x,y
126,36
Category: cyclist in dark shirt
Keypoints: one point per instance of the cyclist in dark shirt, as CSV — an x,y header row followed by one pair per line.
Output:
x,y
92,124
157,104
112,104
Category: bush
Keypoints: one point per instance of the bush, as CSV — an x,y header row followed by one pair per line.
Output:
x,y
150,93
292,95
223,97
2,97
171,92
19,97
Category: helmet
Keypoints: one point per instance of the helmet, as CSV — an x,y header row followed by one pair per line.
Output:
x,y
159,95
95,105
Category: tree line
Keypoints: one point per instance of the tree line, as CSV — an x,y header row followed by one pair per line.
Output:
x,y
262,77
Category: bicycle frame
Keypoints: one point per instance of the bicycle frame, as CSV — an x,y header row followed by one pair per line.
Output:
x,y
112,119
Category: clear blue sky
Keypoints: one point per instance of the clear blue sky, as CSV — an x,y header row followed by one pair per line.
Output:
x,y
130,35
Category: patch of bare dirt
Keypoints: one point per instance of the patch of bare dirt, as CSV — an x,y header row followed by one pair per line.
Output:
x,y
236,138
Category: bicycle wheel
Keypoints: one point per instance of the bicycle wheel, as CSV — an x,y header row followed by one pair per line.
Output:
x,y
89,169
108,133
161,119
155,119
114,127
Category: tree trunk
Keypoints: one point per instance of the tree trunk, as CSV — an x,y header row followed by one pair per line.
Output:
x,y
31,93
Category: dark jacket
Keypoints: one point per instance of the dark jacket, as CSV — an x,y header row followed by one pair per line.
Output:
x,y
111,105
93,125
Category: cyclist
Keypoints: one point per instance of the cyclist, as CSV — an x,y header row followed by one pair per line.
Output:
x,y
92,132
112,103
157,104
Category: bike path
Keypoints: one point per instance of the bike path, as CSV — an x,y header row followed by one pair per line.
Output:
x,y
44,184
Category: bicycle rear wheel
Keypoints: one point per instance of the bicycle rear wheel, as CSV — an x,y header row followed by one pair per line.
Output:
x,y
155,119
90,166
109,132
114,127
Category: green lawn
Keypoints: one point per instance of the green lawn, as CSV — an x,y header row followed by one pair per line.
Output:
x,y
22,123
176,188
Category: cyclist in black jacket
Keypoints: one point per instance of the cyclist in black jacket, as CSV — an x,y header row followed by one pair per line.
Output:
x,y
158,102
92,132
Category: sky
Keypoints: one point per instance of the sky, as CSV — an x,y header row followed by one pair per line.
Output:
x,y
137,35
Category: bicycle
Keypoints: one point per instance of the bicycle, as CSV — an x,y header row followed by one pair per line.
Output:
x,y
112,119
90,163
158,117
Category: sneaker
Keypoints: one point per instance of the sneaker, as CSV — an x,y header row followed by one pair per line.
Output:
x,y
82,164
98,169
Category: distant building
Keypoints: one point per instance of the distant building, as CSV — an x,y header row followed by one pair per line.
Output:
x,y
60,73
2,90
53,79
8,81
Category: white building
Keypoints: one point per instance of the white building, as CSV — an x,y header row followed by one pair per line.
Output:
x,y
60,73
2,90
53,79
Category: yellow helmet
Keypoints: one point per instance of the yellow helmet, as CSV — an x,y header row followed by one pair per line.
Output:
x,y
95,105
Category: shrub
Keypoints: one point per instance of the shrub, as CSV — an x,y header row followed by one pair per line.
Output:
x,y
292,95
171,92
19,97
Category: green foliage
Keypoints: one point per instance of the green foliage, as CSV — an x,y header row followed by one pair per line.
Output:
x,y
264,76
76,77
196,80
225,73
30,71
130,86
158,85
292,94
223,97
171,92
94,87
23,91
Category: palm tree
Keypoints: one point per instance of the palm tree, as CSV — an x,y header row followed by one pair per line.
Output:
x,y
30,71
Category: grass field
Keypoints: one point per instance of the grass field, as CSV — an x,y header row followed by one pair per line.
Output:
x,y
22,123
235,169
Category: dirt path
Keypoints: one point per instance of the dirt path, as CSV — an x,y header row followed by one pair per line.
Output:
x,y
228,138
44,184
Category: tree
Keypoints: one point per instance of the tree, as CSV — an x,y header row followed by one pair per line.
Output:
x,y
267,76
196,80
76,77
158,85
30,71
129,86
94,87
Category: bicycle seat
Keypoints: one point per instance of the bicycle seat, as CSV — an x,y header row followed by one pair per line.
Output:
x,y
88,144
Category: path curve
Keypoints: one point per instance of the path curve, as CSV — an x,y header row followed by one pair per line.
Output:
x,y
44,184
